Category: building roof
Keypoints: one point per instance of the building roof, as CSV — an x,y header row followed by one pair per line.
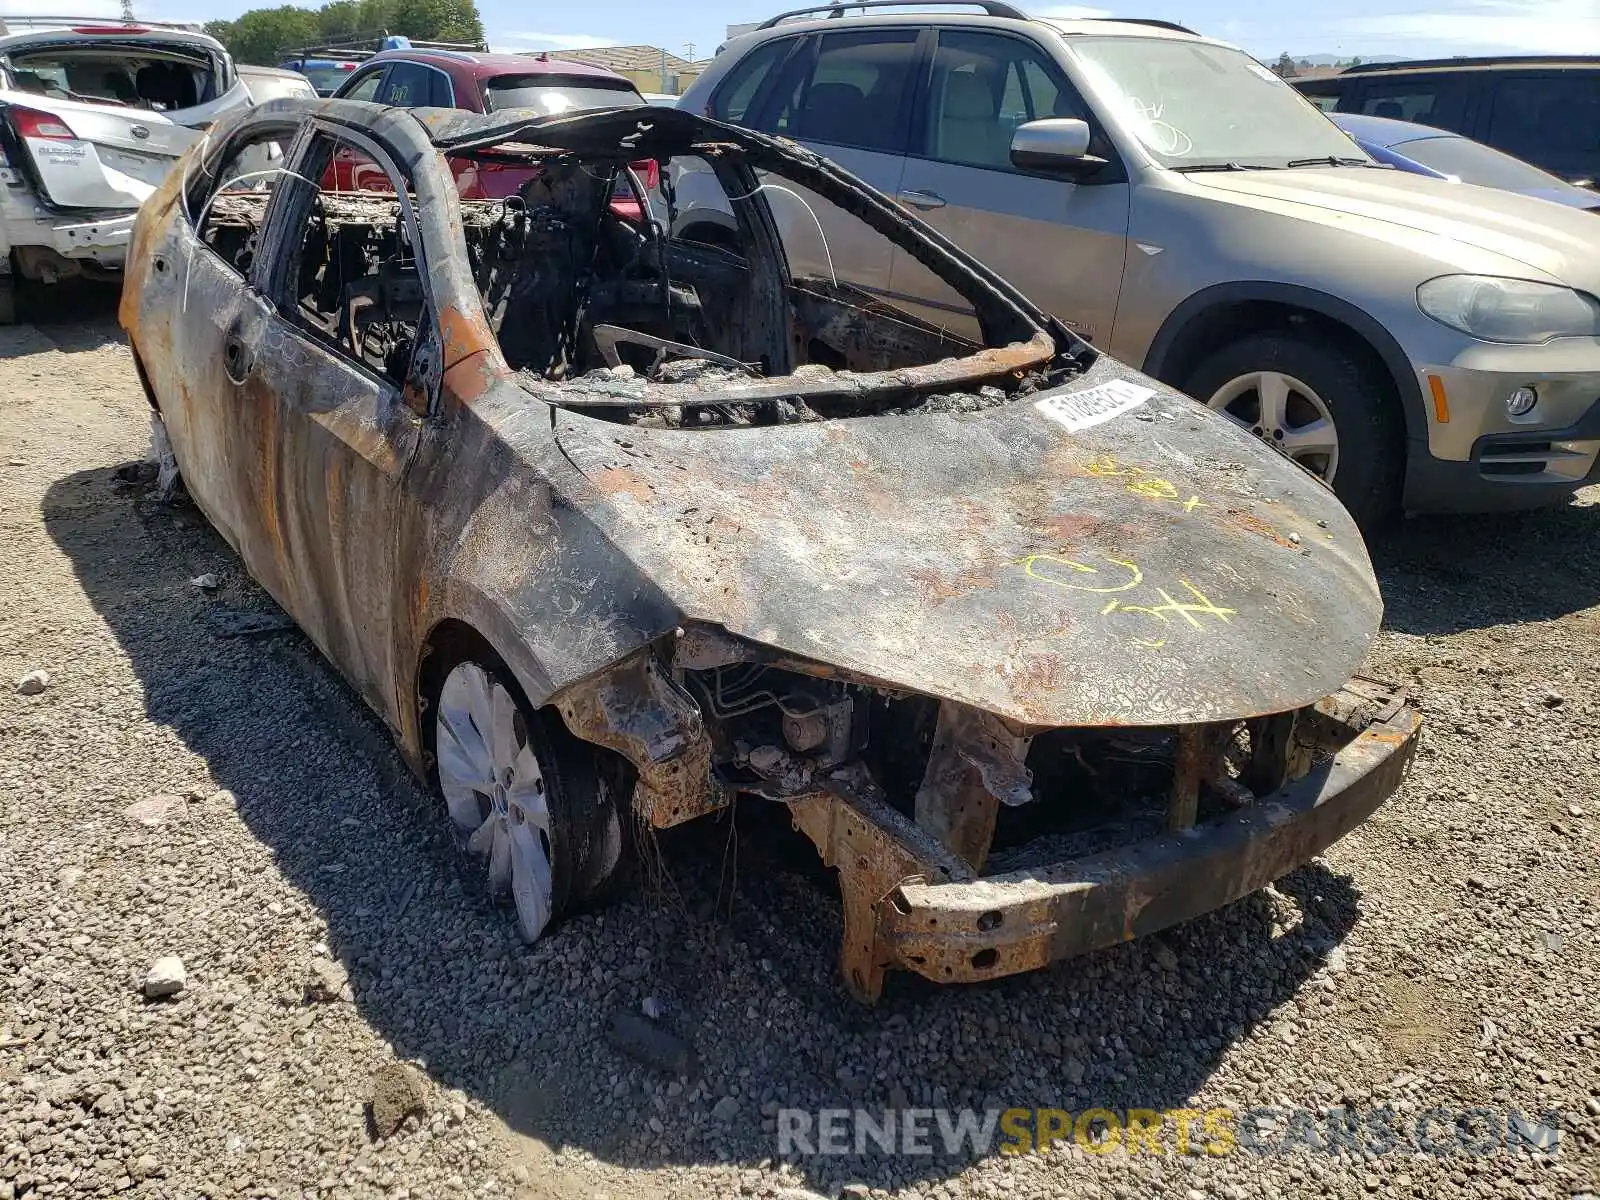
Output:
x,y
626,58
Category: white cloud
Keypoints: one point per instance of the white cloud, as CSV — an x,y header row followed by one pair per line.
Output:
x,y
1533,26
554,41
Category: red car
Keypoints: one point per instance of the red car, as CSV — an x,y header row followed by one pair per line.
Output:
x,y
484,83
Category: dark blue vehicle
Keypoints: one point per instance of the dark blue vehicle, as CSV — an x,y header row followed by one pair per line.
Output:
x,y
1440,154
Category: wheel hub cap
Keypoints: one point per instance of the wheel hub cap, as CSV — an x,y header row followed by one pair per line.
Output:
x,y
494,789
1286,414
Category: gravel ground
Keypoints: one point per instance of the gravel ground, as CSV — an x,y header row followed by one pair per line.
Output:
x,y
171,791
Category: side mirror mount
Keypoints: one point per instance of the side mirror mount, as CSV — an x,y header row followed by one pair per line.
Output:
x,y
1059,145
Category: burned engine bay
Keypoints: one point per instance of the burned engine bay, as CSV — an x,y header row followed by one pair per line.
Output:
x,y
596,308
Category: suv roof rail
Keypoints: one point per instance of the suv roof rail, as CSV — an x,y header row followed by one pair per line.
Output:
x,y
995,8
1150,21
66,24
1492,60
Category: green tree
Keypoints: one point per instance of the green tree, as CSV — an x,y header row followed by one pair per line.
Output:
x,y
1285,65
261,35
341,19
1356,62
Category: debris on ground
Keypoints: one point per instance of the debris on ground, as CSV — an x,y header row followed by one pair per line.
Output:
x,y
649,1042
234,622
397,1092
166,977
156,810
33,683
205,583
326,982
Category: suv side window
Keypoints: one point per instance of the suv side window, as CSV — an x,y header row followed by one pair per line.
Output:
x,y
1553,120
739,90
365,87
1438,102
412,85
982,87
853,92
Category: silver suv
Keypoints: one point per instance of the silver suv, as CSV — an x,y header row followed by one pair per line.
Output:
x,y
1418,343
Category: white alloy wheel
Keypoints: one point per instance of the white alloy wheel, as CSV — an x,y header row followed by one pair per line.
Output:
x,y
494,788
1284,413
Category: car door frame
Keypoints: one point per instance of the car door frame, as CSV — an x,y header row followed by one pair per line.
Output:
x,y
219,456
349,431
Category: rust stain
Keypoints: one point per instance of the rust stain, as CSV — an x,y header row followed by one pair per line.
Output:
x,y
942,585
1251,523
623,481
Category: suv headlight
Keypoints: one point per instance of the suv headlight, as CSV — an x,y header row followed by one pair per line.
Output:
x,y
1509,310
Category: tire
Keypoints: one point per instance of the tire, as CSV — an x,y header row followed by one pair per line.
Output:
x,y
530,801
1325,376
8,300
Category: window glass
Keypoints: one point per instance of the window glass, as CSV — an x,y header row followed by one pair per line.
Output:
x,y
1200,105
984,86
556,94
229,215
854,93
352,278
1553,119
407,86
739,90
1440,103
366,87
1473,162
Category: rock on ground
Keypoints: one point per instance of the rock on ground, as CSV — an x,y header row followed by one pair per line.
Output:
x,y
397,1093
166,977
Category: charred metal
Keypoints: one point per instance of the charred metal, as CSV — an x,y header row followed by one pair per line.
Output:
x,y
1036,673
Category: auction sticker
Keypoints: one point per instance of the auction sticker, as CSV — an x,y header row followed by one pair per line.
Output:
x,y
1094,406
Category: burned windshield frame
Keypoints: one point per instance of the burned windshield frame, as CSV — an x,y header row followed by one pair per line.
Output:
x,y
624,136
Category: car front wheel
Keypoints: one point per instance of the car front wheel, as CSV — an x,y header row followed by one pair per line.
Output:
x,y
1326,408
529,798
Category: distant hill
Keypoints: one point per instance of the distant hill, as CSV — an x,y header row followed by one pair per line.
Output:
x,y
1334,60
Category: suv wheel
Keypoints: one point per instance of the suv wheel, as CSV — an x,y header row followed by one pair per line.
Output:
x,y
1316,402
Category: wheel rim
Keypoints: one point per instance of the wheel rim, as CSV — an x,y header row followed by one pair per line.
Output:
x,y
1286,414
494,789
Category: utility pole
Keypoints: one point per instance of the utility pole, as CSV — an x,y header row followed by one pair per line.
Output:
x,y
688,51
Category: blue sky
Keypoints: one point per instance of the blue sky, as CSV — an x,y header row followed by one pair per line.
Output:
x,y
1264,27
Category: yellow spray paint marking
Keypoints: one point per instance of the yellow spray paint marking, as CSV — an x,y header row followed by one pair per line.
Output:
x,y
1141,483
1187,611
1029,565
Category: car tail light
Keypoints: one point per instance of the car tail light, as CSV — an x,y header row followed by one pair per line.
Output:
x,y
31,123
648,170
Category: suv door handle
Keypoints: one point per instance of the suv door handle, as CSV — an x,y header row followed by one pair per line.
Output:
x,y
917,198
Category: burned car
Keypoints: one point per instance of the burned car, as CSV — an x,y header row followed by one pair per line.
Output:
x,y
616,528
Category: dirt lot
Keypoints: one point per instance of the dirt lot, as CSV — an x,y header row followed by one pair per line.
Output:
x,y
174,791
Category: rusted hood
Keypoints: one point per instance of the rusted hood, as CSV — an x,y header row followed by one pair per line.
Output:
x,y
1041,560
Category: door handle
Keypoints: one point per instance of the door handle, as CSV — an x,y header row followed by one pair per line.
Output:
x,y
235,359
917,198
